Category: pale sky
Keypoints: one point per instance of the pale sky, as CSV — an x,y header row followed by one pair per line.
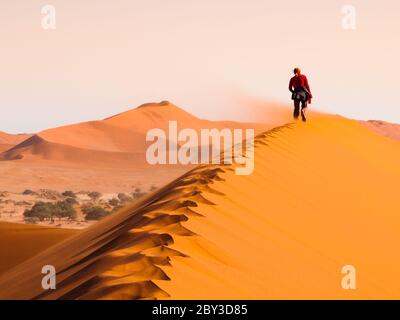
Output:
x,y
105,57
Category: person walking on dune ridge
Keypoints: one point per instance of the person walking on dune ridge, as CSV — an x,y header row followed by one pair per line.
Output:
x,y
301,93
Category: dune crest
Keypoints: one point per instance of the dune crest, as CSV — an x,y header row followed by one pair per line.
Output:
x,y
283,232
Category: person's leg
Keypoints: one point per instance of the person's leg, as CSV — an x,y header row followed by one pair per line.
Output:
x,y
296,109
303,110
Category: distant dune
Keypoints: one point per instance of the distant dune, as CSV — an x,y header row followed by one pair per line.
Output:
x,y
36,146
323,195
20,242
8,141
12,139
124,133
108,155
387,129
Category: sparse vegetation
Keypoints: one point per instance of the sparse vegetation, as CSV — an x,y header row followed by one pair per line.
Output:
x,y
69,194
95,213
48,211
29,192
71,201
114,202
94,195
64,209
40,210
49,194
31,220
46,206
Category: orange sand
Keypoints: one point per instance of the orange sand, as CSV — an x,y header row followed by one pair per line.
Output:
x,y
20,242
323,195
12,139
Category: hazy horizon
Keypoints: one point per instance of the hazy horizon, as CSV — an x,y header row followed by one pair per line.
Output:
x,y
107,57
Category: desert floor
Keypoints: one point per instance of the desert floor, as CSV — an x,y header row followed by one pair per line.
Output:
x,y
20,242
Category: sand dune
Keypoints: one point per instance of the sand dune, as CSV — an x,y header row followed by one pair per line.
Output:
x,y
119,140
7,141
387,129
323,195
36,148
12,139
126,132
5,147
108,155
20,242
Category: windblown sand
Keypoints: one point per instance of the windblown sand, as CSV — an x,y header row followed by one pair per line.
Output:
x,y
323,195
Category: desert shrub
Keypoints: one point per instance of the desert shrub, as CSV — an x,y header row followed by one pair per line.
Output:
x,y
153,188
94,195
95,213
69,194
63,209
47,210
71,201
49,194
40,210
29,192
23,203
114,202
124,197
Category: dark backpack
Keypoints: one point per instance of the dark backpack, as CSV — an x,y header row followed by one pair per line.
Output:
x,y
301,94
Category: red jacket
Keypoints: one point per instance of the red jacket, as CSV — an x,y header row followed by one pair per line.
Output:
x,y
299,81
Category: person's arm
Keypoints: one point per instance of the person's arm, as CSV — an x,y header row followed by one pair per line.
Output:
x,y
291,85
307,86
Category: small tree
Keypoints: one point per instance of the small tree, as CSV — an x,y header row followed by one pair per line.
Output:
x,y
29,192
71,201
95,213
69,194
94,195
64,209
41,210
47,210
